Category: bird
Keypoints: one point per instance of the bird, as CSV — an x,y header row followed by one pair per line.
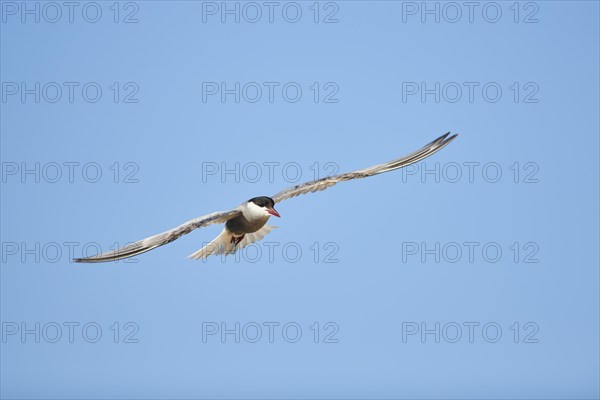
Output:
x,y
247,223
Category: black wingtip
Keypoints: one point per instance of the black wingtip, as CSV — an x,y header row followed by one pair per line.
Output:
x,y
440,139
445,139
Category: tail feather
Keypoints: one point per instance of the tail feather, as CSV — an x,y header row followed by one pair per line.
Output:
x,y
250,238
225,243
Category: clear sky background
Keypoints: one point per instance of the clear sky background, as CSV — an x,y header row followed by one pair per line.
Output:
x,y
373,263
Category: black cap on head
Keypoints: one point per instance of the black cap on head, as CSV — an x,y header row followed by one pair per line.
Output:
x,y
263,201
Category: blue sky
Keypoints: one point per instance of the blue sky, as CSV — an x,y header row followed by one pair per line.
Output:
x,y
473,274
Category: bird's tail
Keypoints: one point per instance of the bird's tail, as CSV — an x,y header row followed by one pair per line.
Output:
x,y
222,244
228,243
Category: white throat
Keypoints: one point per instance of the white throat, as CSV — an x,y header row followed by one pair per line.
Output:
x,y
252,212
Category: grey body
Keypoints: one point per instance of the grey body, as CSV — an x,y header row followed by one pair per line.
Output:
x,y
241,225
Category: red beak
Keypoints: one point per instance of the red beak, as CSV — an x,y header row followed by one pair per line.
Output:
x,y
274,212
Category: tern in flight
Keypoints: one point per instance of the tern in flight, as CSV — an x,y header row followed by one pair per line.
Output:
x,y
246,223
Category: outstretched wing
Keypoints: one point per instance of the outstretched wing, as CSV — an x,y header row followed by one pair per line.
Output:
x,y
324,183
155,241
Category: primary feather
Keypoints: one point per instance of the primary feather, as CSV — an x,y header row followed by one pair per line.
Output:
x,y
324,183
161,239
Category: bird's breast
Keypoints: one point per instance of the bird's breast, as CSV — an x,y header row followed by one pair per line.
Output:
x,y
241,225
